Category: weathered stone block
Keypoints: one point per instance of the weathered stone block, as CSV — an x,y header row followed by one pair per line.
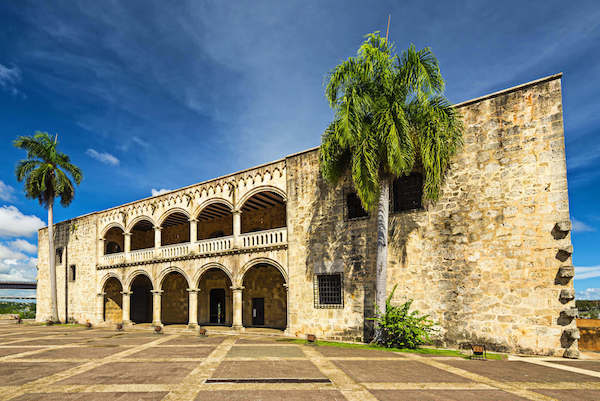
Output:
x,y
571,353
572,334
567,294
566,271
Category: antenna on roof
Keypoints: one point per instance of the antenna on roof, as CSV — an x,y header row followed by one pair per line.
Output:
x,y
387,32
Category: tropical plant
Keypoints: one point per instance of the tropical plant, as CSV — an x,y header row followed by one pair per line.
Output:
x,y
390,116
46,174
400,328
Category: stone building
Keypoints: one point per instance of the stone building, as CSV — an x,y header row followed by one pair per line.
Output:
x,y
276,246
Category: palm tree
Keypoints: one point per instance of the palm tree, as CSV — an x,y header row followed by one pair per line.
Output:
x,y
45,174
389,116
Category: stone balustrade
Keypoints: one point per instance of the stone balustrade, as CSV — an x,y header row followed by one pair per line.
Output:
x,y
113,258
141,255
171,251
215,244
264,238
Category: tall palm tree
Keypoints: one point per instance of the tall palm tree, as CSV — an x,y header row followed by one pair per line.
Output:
x,y
389,115
46,174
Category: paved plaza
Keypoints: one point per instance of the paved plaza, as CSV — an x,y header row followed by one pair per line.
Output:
x,y
73,363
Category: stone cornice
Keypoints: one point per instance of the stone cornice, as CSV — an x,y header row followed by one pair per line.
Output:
x,y
194,256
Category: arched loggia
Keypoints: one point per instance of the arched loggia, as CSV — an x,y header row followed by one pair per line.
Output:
x,y
264,300
141,302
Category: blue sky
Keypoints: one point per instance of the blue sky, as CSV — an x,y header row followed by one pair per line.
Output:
x,y
150,95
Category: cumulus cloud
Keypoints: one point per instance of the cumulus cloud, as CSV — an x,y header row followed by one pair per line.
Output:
x,y
9,77
580,227
23,245
160,191
13,223
583,272
6,192
103,157
588,293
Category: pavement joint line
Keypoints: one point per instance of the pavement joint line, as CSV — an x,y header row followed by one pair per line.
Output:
x,y
426,386
510,388
265,358
568,368
349,388
47,381
186,390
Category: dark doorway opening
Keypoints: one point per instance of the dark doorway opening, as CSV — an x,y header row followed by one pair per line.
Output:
x,y
217,306
258,311
141,300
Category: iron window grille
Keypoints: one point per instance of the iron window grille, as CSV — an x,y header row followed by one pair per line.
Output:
x,y
408,192
328,291
354,208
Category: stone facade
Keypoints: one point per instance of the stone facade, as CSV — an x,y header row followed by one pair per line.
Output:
x,y
489,261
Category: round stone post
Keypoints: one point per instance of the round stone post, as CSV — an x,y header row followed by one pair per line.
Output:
x,y
237,228
126,307
127,244
287,308
237,308
156,306
157,236
193,231
193,307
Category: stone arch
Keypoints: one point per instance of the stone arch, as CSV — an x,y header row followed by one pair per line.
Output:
x,y
105,278
264,297
210,201
111,225
261,188
263,208
114,239
208,266
142,232
164,273
136,220
169,212
133,275
175,225
141,301
256,261
215,219
112,289
174,299
215,296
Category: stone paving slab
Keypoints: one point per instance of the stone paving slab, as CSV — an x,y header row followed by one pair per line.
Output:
x,y
51,341
332,352
589,365
174,352
121,340
194,340
257,340
270,395
16,373
133,373
518,371
83,353
267,369
571,395
238,351
444,395
12,351
155,396
396,371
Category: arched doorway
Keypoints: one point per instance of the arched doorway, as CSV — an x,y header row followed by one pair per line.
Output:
x,y
174,299
141,299
114,241
113,300
264,300
215,299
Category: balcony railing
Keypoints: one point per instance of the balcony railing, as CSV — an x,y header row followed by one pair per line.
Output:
x,y
276,236
215,244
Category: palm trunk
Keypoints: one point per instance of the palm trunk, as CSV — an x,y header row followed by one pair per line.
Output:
x,y
51,264
382,241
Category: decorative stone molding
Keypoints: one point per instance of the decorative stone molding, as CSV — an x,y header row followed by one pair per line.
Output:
x,y
566,271
567,295
572,334
570,312
561,229
564,252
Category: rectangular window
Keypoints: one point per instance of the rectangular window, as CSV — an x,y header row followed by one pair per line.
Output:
x,y
354,207
408,192
72,272
59,253
328,291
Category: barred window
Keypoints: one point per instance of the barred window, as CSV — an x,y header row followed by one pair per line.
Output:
x,y
354,207
328,291
408,192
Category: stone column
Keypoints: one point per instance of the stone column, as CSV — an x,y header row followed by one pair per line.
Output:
x,y
157,236
127,243
193,231
237,308
156,305
237,228
287,309
193,307
126,307
100,307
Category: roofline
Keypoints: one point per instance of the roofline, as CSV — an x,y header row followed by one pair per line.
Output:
x,y
457,105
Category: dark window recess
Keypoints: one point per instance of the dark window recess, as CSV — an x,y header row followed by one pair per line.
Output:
x,y
59,253
113,247
408,192
72,272
328,291
355,209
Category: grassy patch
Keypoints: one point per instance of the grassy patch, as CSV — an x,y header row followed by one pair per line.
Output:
x,y
426,351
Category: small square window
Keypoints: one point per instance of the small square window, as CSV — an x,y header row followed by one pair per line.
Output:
x,y
59,254
354,207
328,291
72,272
408,192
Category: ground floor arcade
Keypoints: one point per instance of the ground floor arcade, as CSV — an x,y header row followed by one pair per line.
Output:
x,y
257,299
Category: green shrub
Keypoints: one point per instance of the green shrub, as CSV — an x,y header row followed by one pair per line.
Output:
x,y
400,328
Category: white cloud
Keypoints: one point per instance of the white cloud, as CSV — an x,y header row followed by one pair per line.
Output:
x,y
580,226
583,272
103,157
160,191
13,223
6,192
9,255
9,76
23,245
588,293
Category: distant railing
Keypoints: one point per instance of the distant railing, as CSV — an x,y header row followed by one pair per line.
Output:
x,y
267,237
141,254
170,251
215,244
113,258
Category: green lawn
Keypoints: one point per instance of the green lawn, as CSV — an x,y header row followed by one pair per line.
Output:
x,y
428,351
